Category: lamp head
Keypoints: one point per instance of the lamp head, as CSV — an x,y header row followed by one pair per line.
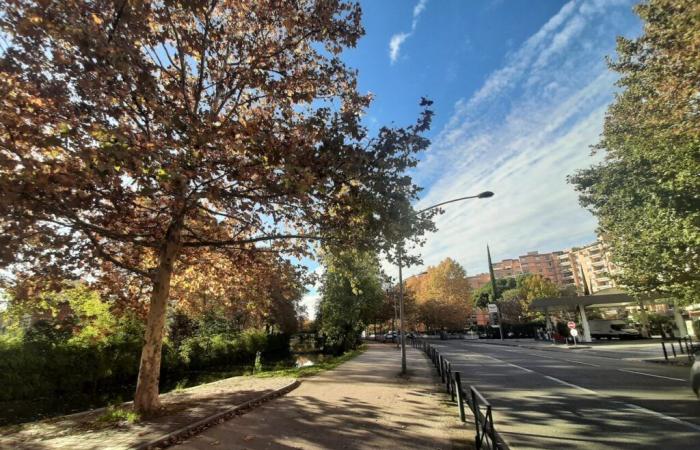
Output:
x,y
485,194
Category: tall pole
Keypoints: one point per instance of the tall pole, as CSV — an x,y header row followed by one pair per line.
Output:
x,y
485,194
401,327
495,292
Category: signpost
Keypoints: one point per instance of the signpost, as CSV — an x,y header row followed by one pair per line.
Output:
x,y
573,331
493,309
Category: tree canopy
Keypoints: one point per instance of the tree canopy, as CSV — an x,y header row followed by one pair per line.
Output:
x,y
645,192
141,136
351,297
442,296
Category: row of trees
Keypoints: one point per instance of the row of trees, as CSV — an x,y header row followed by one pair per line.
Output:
x,y
355,295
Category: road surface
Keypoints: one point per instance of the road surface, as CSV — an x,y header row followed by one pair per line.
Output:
x,y
576,399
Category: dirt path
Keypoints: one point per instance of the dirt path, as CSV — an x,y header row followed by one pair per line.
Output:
x,y
362,404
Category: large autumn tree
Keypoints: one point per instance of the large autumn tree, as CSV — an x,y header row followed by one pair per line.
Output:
x,y
138,136
443,297
645,192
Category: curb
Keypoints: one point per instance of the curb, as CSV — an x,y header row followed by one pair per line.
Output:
x,y
197,427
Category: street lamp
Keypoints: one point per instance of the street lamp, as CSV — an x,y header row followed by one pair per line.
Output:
x,y
485,194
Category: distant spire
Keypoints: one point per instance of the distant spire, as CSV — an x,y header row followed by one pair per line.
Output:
x,y
493,277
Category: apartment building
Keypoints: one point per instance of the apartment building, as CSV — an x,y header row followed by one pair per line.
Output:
x,y
507,268
546,264
590,265
476,282
594,262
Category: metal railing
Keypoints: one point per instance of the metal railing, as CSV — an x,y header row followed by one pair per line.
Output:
x,y
685,347
486,435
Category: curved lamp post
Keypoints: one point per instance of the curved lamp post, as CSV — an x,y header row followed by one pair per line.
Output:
x,y
402,337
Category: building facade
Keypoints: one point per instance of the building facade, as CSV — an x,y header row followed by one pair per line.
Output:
x,y
476,282
588,267
593,267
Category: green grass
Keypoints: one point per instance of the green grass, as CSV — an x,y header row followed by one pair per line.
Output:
x,y
115,414
317,368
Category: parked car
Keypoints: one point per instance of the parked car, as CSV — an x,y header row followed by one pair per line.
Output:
x,y
695,374
390,336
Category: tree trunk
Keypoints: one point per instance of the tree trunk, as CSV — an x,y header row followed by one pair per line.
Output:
x,y
146,397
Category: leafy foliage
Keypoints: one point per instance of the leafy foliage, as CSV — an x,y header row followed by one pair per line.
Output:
x,y
645,192
351,296
516,294
143,135
442,296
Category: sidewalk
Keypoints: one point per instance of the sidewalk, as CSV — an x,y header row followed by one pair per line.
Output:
x,y
362,404
83,431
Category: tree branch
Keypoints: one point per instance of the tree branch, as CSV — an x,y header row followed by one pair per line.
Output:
x,y
235,242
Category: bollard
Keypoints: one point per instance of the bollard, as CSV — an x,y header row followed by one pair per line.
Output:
x,y
663,346
673,349
460,398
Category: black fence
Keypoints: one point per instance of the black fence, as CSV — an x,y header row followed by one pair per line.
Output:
x,y
686,348
486,436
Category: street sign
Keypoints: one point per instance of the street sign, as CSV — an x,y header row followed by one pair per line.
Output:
x,y
493,308
571,325
574,332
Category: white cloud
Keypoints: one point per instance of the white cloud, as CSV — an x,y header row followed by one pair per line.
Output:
x,y
312,297
395,45
310,304
398,39
520,134
417,10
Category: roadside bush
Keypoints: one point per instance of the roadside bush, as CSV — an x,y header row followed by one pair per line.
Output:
x,y
44,367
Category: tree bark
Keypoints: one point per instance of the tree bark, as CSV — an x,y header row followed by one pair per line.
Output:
x,y
146,397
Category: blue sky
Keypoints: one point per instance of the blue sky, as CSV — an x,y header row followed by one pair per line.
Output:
x,y
520,90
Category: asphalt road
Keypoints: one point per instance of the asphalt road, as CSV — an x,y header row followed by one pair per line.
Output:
x,y
575,399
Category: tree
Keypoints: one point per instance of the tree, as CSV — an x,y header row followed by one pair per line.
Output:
x,y
484,295
534,286
136,135
515,302
260,292
645,192
442,296
351,296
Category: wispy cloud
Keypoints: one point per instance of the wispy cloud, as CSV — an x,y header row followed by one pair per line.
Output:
x,y
520,134
399,38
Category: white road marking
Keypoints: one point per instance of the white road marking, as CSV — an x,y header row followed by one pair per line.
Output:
x,y
663,416
588,391
581,362
652,375
521,368
628,405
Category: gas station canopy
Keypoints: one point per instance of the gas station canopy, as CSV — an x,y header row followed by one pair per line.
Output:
x,y
607,297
